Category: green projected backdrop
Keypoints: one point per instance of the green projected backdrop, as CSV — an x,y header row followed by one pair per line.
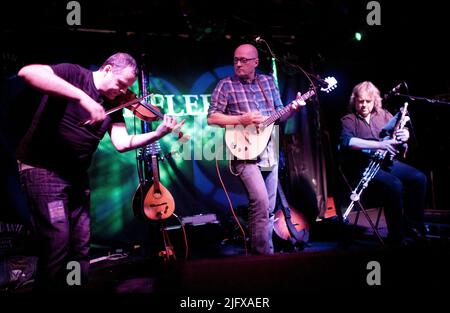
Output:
x,y
188,171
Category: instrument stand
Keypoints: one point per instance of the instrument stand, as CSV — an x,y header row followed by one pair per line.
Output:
x,y
356,199
168,254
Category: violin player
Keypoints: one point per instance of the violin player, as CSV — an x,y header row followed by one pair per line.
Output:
x,y
55,154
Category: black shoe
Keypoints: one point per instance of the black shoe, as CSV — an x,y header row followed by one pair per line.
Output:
x,y
418,235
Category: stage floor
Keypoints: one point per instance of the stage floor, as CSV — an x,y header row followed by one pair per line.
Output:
x,y
335,264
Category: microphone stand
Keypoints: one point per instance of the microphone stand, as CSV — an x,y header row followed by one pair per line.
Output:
x,y
316,84
319,81
413,98
433,101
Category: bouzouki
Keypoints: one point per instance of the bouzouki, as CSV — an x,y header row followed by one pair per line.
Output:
x,y
158,202
154,199
247,142
290,224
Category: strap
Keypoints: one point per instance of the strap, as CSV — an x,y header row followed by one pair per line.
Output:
x,y
265,95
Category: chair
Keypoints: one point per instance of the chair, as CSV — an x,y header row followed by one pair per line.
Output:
x,y
377,222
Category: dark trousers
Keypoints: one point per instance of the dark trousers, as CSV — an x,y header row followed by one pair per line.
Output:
x,y
402,190
60,218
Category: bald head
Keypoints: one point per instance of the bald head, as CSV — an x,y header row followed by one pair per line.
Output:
x,y
246,49
245,61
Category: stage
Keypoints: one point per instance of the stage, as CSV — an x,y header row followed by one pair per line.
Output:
x,y
183,49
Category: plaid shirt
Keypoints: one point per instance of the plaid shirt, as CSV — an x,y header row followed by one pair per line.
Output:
x,y
232,96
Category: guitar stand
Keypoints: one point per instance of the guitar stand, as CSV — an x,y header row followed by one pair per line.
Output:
x,y
168,254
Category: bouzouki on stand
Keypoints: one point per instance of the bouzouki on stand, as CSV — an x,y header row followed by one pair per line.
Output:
x,y
144,183
158,202
246,143
290,224
152,200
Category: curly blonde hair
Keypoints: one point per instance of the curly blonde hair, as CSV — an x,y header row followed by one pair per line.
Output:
x,y
370,89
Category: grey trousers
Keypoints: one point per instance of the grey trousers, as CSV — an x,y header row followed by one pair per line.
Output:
x,y
261,187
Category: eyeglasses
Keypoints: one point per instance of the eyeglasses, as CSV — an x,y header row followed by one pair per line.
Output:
x,y
242,60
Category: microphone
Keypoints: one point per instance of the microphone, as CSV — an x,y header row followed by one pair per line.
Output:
x,y
259,39
393,91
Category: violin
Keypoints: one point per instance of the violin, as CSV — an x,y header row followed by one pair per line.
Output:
x,y
139,107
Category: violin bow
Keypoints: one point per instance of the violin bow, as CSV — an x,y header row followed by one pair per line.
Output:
x,y
141,100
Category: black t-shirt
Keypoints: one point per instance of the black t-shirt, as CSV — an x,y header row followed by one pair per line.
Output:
x,y
58,142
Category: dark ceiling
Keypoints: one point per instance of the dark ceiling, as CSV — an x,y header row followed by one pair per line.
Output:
x,y
319,33
283,18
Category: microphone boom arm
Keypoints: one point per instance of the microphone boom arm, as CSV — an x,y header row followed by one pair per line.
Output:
x,y
322,83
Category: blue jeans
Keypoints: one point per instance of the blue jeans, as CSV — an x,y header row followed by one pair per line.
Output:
x,y
61,222
261,187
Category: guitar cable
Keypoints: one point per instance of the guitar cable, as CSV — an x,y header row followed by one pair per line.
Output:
x,y
231,205
186,246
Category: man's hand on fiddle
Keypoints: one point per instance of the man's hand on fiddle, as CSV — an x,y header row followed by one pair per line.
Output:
x,y
168,125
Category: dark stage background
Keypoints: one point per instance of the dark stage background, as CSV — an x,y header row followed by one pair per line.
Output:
x,y
187,46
